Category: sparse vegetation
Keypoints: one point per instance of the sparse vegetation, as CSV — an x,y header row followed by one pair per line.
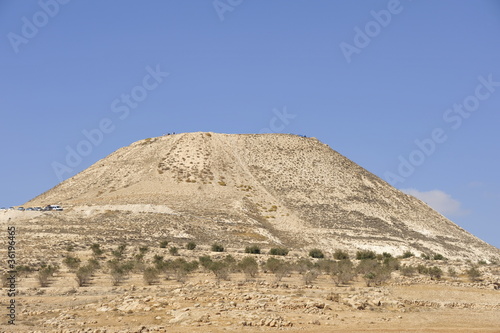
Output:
x,y
316,253
71,262
340,255
366,255
278,267
217,248
438,256
474,274
96,250
150,275
254,249
407,254
435,273
342,272
191,246
163,244
173,251
407,271
278,251
45,273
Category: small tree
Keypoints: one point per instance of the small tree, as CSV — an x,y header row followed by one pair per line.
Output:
x,y
310,276
407,271
45,273
191,246
278,267
340,255
217,248
452,273
342,272
316,253
84,274
254,249
438,256
278,251
249,266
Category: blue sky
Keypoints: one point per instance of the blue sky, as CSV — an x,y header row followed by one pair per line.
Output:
x,y
410,90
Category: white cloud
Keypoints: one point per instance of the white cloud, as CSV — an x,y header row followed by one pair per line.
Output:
x,y
439,201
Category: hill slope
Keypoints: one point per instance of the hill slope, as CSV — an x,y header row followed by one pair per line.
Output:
x,y
257,188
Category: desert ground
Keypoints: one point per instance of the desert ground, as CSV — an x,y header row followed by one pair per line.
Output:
x,y
201,301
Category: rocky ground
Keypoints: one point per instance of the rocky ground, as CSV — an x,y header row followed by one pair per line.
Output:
x,y
204,304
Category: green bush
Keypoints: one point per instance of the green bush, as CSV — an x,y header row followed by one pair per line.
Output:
x,y
163,244
278,251
377,276
438,256
316,253
173,251
254,249
421,269
425,256
482,262
143,250
340,255
45,273
84,274
366,266
217,248
407,254
392,264
303,265
365,254
191,246
96,250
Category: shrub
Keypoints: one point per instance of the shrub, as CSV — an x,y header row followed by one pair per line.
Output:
x,y
340,255
220,269
482,262
217,248
278,251
342,272
421,269
366,255
143,250
119,271
386,255
173,251
316,253
118,253
435,273
71,262
391,264
96,250
249,266
254,249
474,274
182,268
424,256
24,270
407,254
163,244
205,261
150,275
438,256
191,246
452,273
407,271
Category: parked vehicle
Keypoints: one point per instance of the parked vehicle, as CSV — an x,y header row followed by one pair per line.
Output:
x,y
30,208
53,207
20,208
38,209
